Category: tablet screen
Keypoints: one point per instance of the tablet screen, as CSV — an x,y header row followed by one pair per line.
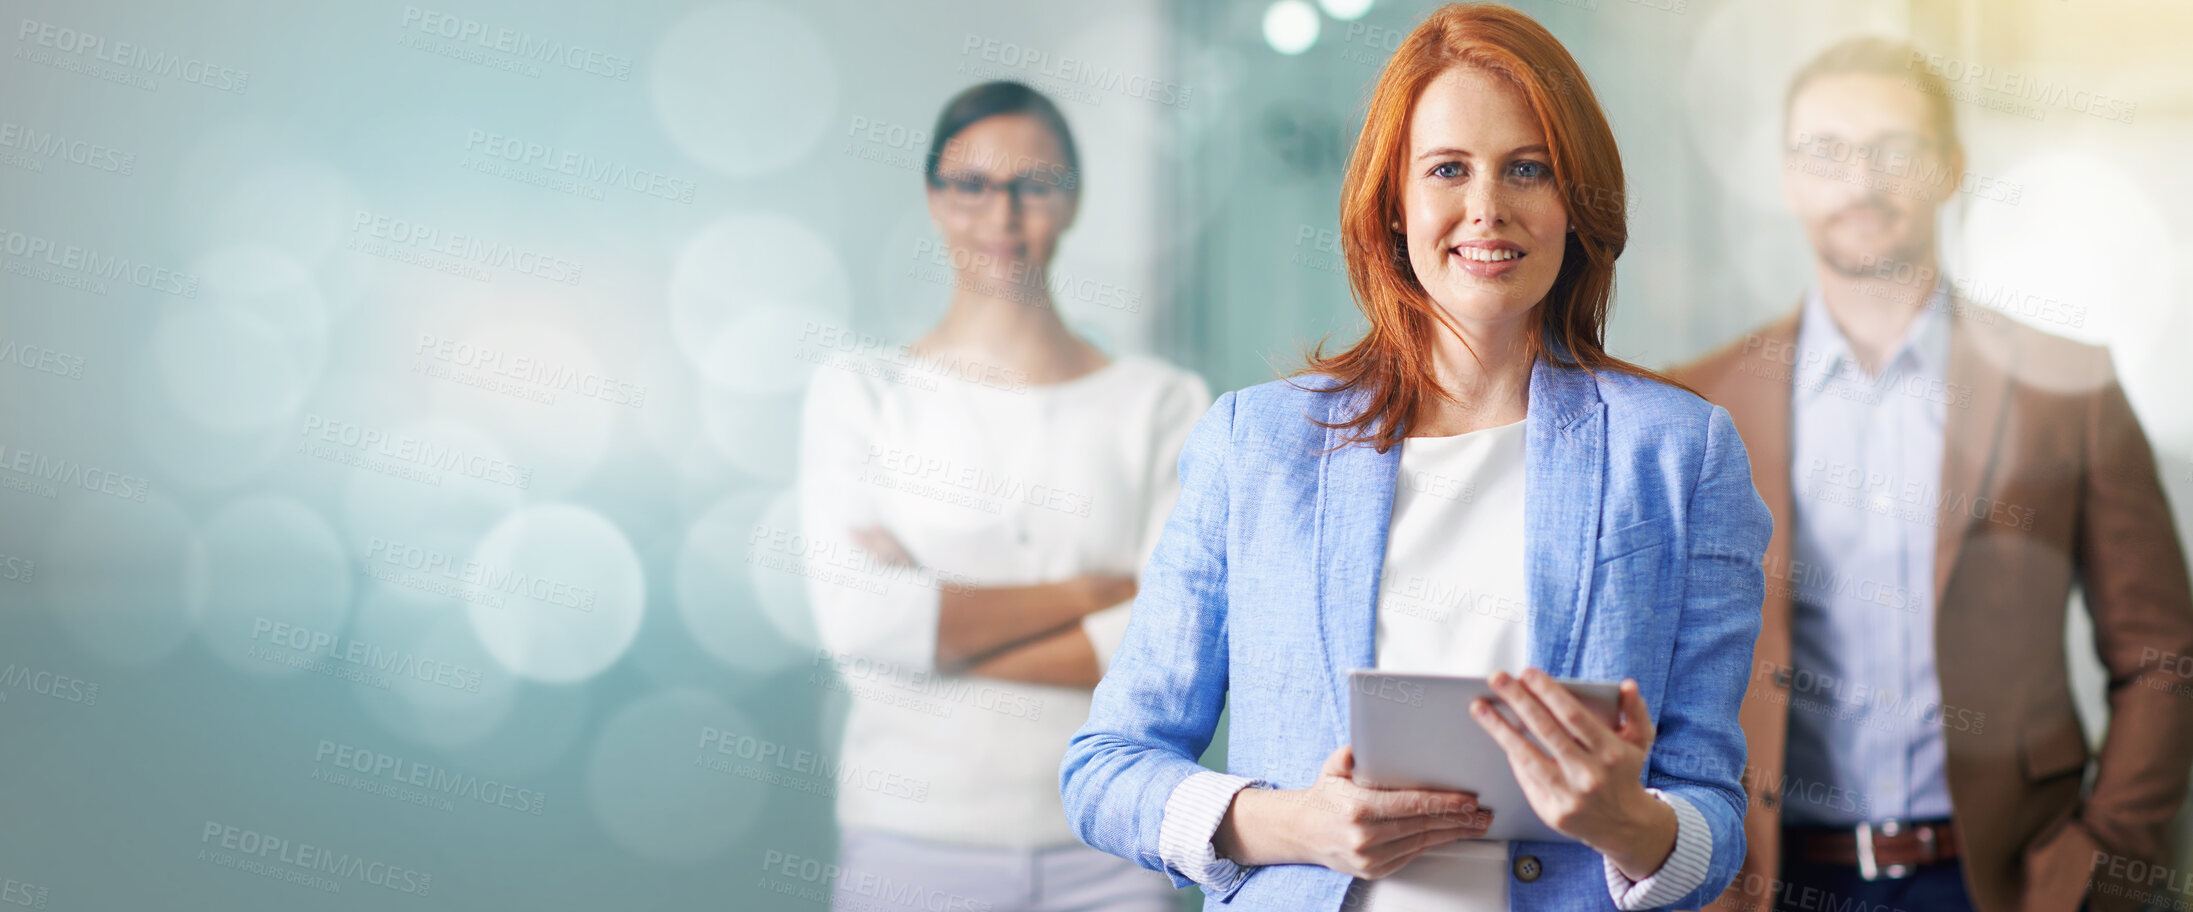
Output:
x,y
1415,731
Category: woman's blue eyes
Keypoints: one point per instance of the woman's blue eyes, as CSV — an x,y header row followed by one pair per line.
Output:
x,y
1526,171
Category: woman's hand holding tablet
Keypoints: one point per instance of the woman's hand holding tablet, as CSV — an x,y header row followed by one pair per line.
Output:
x,y
1587,779
1358,831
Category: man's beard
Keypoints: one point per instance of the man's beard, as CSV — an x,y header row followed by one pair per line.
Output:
x,y
1858,265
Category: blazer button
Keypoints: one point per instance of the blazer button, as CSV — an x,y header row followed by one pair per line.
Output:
x,y
1527,868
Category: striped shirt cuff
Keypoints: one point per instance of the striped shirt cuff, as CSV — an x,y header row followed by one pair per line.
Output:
x,y
1682,872
1192,814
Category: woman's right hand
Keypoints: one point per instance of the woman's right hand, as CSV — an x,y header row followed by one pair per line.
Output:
x,y
1361,832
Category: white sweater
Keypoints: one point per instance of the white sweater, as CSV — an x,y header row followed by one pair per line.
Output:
x,y
986,482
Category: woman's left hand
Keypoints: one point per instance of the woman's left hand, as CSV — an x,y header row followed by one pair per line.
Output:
x,y
1586,781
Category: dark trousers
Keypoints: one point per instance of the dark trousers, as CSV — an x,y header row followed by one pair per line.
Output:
x,y
1813,887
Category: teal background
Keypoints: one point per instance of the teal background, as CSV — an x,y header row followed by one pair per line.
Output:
x,y
179,493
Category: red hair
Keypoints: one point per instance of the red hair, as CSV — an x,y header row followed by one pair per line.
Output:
x,y
1392,363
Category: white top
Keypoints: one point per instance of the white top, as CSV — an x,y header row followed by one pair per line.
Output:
x,y
986,480
1453,598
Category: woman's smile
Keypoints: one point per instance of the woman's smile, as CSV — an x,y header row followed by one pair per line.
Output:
x,y
1489,259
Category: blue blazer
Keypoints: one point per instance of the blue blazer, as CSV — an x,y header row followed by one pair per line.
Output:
x,y
1645,539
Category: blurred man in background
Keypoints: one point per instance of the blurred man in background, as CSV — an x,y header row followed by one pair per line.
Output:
x,y
1940,475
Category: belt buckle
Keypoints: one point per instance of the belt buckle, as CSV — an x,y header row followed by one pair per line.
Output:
x,y
1867,868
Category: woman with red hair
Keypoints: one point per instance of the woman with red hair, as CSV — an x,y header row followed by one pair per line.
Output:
x,y
1476,487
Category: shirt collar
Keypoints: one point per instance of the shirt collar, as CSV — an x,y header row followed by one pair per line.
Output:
x,y
1823,352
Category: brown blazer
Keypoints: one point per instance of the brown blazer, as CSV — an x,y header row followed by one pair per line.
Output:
x,y
2041,444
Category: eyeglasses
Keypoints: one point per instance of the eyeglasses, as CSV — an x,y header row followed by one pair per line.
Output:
x,y
974,191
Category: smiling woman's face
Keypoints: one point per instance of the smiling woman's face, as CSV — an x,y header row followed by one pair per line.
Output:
x,y
1002,204
1486,228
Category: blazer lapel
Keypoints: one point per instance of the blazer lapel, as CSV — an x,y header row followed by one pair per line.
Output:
x,y
1982,360
1565,452
1354,505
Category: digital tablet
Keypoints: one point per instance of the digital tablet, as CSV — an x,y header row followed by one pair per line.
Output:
x,y
1415,731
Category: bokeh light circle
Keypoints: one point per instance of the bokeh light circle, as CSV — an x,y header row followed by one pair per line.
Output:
x,y
754,299
247,349
556,592
1345,10
455,694
738,612
744,88
1290,26
378,505
2118,290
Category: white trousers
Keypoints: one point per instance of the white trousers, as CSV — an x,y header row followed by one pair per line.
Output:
x,y
885,872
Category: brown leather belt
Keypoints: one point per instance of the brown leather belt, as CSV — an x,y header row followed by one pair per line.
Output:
x,y
1888,850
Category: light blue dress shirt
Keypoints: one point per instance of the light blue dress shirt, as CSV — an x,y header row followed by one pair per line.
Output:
x,y
1865,736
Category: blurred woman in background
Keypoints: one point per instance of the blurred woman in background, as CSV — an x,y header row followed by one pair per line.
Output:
x,y
997,485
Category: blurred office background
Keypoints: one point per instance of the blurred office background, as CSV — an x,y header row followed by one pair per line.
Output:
x,y
403,387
